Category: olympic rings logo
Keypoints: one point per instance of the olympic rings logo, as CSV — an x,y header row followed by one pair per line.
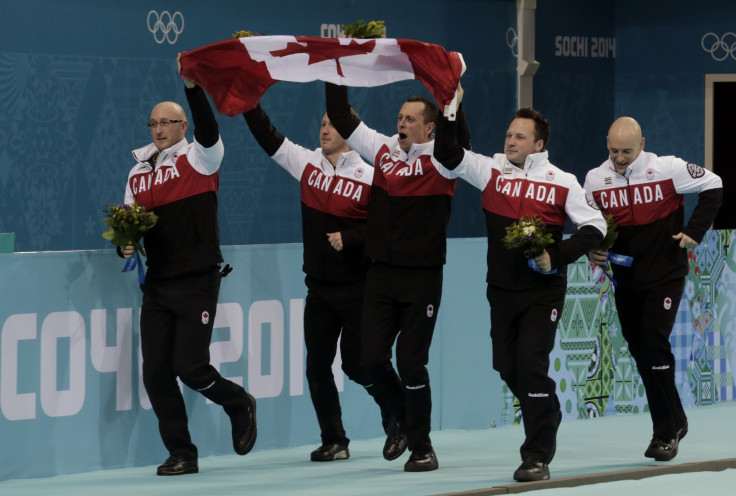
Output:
x,y
720,48
512,41
165,27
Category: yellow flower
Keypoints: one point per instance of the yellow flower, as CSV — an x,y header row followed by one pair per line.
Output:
x,y
529,236
245,34
128,224
374,29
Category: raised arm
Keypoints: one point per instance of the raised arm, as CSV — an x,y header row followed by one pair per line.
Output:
x,y
206,131
338,110
290,156
206,156
447,150
462,131
263,131
452,137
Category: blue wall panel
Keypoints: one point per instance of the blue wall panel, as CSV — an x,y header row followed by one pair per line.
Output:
x,y
573,88
78,81
71,397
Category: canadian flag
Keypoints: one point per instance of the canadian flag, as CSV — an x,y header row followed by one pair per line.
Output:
x,y
236,73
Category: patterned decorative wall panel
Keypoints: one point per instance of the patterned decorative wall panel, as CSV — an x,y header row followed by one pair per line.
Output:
x,y
592,366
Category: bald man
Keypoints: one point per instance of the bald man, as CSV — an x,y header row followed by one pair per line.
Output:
x,y
645,195
178,181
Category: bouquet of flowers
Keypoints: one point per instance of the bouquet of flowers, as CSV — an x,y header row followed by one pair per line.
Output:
x,y
529,235
127,224
603,275
374,29
611,234
246,34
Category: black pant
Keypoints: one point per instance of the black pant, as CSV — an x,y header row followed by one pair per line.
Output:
x,y
401,304
523,327
332,313
177,317
647,317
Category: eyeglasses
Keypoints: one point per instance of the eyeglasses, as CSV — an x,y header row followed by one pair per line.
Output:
x,y
163,123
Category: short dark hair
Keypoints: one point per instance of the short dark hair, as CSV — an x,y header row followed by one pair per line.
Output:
x,y
430,109
542,128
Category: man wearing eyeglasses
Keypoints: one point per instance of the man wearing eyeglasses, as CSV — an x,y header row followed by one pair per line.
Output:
x,y
178,181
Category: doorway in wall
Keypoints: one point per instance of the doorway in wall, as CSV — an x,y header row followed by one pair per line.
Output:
x,y
720,131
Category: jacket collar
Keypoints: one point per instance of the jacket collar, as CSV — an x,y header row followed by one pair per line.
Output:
x,y
145,153
416,150
636,164
531,160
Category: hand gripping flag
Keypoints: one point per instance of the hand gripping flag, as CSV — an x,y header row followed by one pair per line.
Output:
x,y
237,72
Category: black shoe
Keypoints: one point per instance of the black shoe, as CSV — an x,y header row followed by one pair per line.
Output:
x,y
178,465
682,432
531,470
662,451
245,427
330,452
395,444
421,461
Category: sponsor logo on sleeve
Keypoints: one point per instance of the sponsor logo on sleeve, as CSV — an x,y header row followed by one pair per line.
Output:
x,y
695,171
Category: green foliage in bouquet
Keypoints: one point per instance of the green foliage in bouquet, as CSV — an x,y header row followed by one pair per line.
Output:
x,y
611,234
246,34
374,29
529,235
128,224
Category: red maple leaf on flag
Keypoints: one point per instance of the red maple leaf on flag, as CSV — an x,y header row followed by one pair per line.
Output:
x,y
325,49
